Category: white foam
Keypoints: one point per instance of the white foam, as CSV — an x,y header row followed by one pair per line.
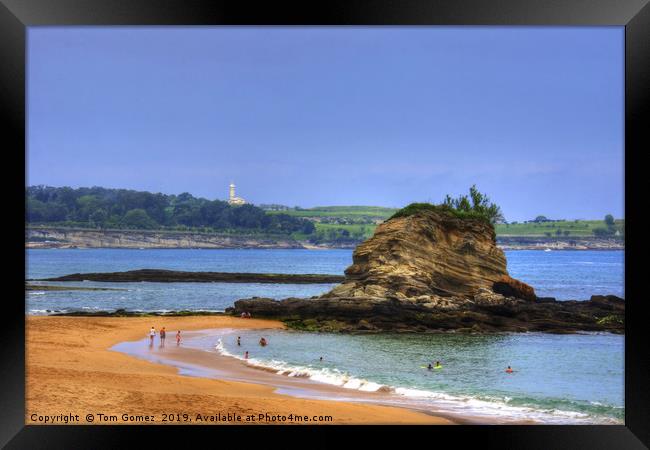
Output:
x,y
322,375
493,407
45,312
499,407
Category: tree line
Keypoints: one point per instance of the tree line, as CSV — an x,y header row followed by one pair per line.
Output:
x,y
100,207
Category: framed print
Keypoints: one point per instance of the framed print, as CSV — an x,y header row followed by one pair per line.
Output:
x,y
348,214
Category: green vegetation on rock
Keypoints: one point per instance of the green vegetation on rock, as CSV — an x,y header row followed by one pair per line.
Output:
x,y
475,206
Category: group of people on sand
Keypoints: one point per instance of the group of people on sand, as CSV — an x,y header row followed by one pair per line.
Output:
x,y
162,334
262,342
245,315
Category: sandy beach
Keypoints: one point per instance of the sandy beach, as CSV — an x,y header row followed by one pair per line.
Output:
x,y
71,373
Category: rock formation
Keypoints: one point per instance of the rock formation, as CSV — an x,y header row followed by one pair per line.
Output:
x,y
434,271
423,255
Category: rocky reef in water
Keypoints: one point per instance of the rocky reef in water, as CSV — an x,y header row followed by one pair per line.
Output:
x,y
434,271
176,276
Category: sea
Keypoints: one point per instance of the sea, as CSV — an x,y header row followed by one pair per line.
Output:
x,y
576,378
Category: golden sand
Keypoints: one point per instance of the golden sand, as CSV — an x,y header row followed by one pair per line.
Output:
x,y
71,372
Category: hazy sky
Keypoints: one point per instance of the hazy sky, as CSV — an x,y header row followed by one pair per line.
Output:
x,y
334,116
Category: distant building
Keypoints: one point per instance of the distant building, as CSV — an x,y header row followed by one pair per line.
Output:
x,y
233,199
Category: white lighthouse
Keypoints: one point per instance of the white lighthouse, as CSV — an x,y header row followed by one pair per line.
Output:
x,y
233,199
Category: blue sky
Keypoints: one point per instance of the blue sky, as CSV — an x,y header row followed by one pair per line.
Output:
x,y
334,116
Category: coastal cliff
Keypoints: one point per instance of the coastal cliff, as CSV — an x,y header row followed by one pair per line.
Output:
x,y
434,271
53,237
64,237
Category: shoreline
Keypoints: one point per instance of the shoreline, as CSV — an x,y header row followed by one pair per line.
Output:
x,y
71,369
196,359
194,362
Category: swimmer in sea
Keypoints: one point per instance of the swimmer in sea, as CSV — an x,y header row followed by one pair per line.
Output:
x,y
262,342
238,340
429,366
246,355
438,366
509,370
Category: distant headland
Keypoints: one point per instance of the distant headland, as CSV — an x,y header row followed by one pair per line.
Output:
x,y
62,217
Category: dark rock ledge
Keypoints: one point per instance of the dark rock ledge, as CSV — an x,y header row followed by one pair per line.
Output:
x,y
487,313
173,276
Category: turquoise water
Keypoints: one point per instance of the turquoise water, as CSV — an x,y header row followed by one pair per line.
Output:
x,y
562,274
558,378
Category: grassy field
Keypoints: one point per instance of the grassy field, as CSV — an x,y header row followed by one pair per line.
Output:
x,y
582,228
369,214
343,212
573,227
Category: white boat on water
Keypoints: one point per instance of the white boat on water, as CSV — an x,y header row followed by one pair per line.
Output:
x,y
547,250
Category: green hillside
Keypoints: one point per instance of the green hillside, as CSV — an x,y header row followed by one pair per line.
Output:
x,y
561,228
104,208
341,212
359,222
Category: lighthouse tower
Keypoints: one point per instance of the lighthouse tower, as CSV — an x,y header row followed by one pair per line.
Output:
x,y
232,192
232,198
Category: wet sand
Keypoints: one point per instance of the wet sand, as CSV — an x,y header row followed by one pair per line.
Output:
x,y
71,370
197,357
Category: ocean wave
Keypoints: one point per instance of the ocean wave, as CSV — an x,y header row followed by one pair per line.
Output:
x,y
504,407
484,406
45,312
323,375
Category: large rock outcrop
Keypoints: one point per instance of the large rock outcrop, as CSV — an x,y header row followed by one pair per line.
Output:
x,y
426,254
432,271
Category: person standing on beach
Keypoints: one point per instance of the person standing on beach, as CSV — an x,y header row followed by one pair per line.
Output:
x,y
246,355
178,338
152,333
162,337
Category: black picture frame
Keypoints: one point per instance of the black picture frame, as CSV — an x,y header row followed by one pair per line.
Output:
x,y
634,15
